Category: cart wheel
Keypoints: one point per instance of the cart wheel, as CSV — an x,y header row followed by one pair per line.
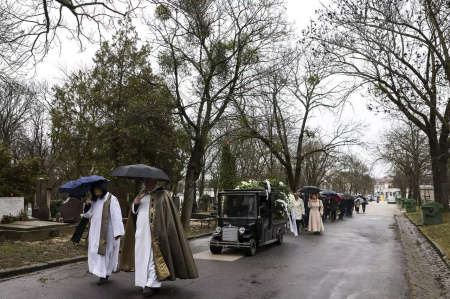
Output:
x,y
280,239
251,251
215,249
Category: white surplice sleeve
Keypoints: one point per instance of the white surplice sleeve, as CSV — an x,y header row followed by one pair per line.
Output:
x,y
116,217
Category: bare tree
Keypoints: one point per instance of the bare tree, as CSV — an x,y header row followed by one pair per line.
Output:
x,y
30,28
406,150
16,104
208,51
400,51
280,113
318,166
352,175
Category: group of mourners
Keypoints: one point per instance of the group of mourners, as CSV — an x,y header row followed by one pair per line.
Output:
x,y
155,246
312,210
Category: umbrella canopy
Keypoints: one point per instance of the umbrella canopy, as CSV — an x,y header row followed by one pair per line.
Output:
x,y
328,192
310,189
81,186
347,195
140,171
338,198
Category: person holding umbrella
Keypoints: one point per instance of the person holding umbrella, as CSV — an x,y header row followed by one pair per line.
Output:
x,y
105,231
364,203
155,246
315,214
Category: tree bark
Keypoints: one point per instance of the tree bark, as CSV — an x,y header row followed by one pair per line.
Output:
x,y
194,169
439,161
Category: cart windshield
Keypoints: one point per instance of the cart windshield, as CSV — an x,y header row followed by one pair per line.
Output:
x,y
235,205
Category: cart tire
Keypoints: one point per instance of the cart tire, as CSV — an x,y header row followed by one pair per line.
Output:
x,y
215,249
251,251
280,239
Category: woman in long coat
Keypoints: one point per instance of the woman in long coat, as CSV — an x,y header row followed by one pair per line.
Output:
x,y
315,215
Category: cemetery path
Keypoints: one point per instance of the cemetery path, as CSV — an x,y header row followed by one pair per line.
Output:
x,y
374,255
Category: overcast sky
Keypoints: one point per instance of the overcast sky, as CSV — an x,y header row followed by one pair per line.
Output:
x,y
299,11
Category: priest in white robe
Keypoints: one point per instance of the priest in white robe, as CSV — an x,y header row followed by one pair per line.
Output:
x,y
155,246
105,231
145,272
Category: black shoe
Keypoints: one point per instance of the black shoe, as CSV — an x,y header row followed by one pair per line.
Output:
x,y
148,291
102,280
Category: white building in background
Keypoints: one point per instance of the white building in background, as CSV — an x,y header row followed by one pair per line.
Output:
x,y
426,193
385,188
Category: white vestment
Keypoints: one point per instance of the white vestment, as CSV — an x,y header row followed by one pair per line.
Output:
x,y
103,265
145,270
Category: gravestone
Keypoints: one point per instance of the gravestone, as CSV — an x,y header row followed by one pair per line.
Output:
x,y
11,205
41,209
71,210
122,196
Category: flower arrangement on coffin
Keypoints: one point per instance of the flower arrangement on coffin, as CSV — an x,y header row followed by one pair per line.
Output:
x,y
250,184
275,185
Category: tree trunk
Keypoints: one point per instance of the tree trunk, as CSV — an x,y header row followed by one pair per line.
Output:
x,y
293,185
194,169
439,160
411,187
416,189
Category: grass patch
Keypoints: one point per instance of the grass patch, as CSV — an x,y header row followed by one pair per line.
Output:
x,y
15,254
198,229
440,233
416,217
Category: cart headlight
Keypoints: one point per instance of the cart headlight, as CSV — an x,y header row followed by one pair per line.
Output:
x,y
242,230
218,229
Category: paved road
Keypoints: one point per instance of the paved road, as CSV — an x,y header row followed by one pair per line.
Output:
x,y
358,257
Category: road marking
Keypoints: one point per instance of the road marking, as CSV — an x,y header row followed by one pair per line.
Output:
x,y
225,257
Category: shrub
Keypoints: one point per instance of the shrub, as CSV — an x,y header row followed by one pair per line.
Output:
x,y
55,206
204,202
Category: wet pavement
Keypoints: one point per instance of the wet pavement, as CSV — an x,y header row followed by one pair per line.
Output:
x,y
358,257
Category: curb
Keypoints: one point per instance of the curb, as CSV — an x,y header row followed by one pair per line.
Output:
x,y
432,243
199,236
6,273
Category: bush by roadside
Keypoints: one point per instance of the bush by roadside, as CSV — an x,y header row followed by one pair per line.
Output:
x,y
439,234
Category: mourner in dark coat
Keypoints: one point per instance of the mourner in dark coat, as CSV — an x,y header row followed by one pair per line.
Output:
x,y
333,206
342,208
305,198
350,205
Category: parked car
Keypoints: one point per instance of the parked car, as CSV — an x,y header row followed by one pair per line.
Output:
x,y
247,219
391,199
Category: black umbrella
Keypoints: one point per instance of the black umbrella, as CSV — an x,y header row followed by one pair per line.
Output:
x,y
140,171
328,192
310,189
